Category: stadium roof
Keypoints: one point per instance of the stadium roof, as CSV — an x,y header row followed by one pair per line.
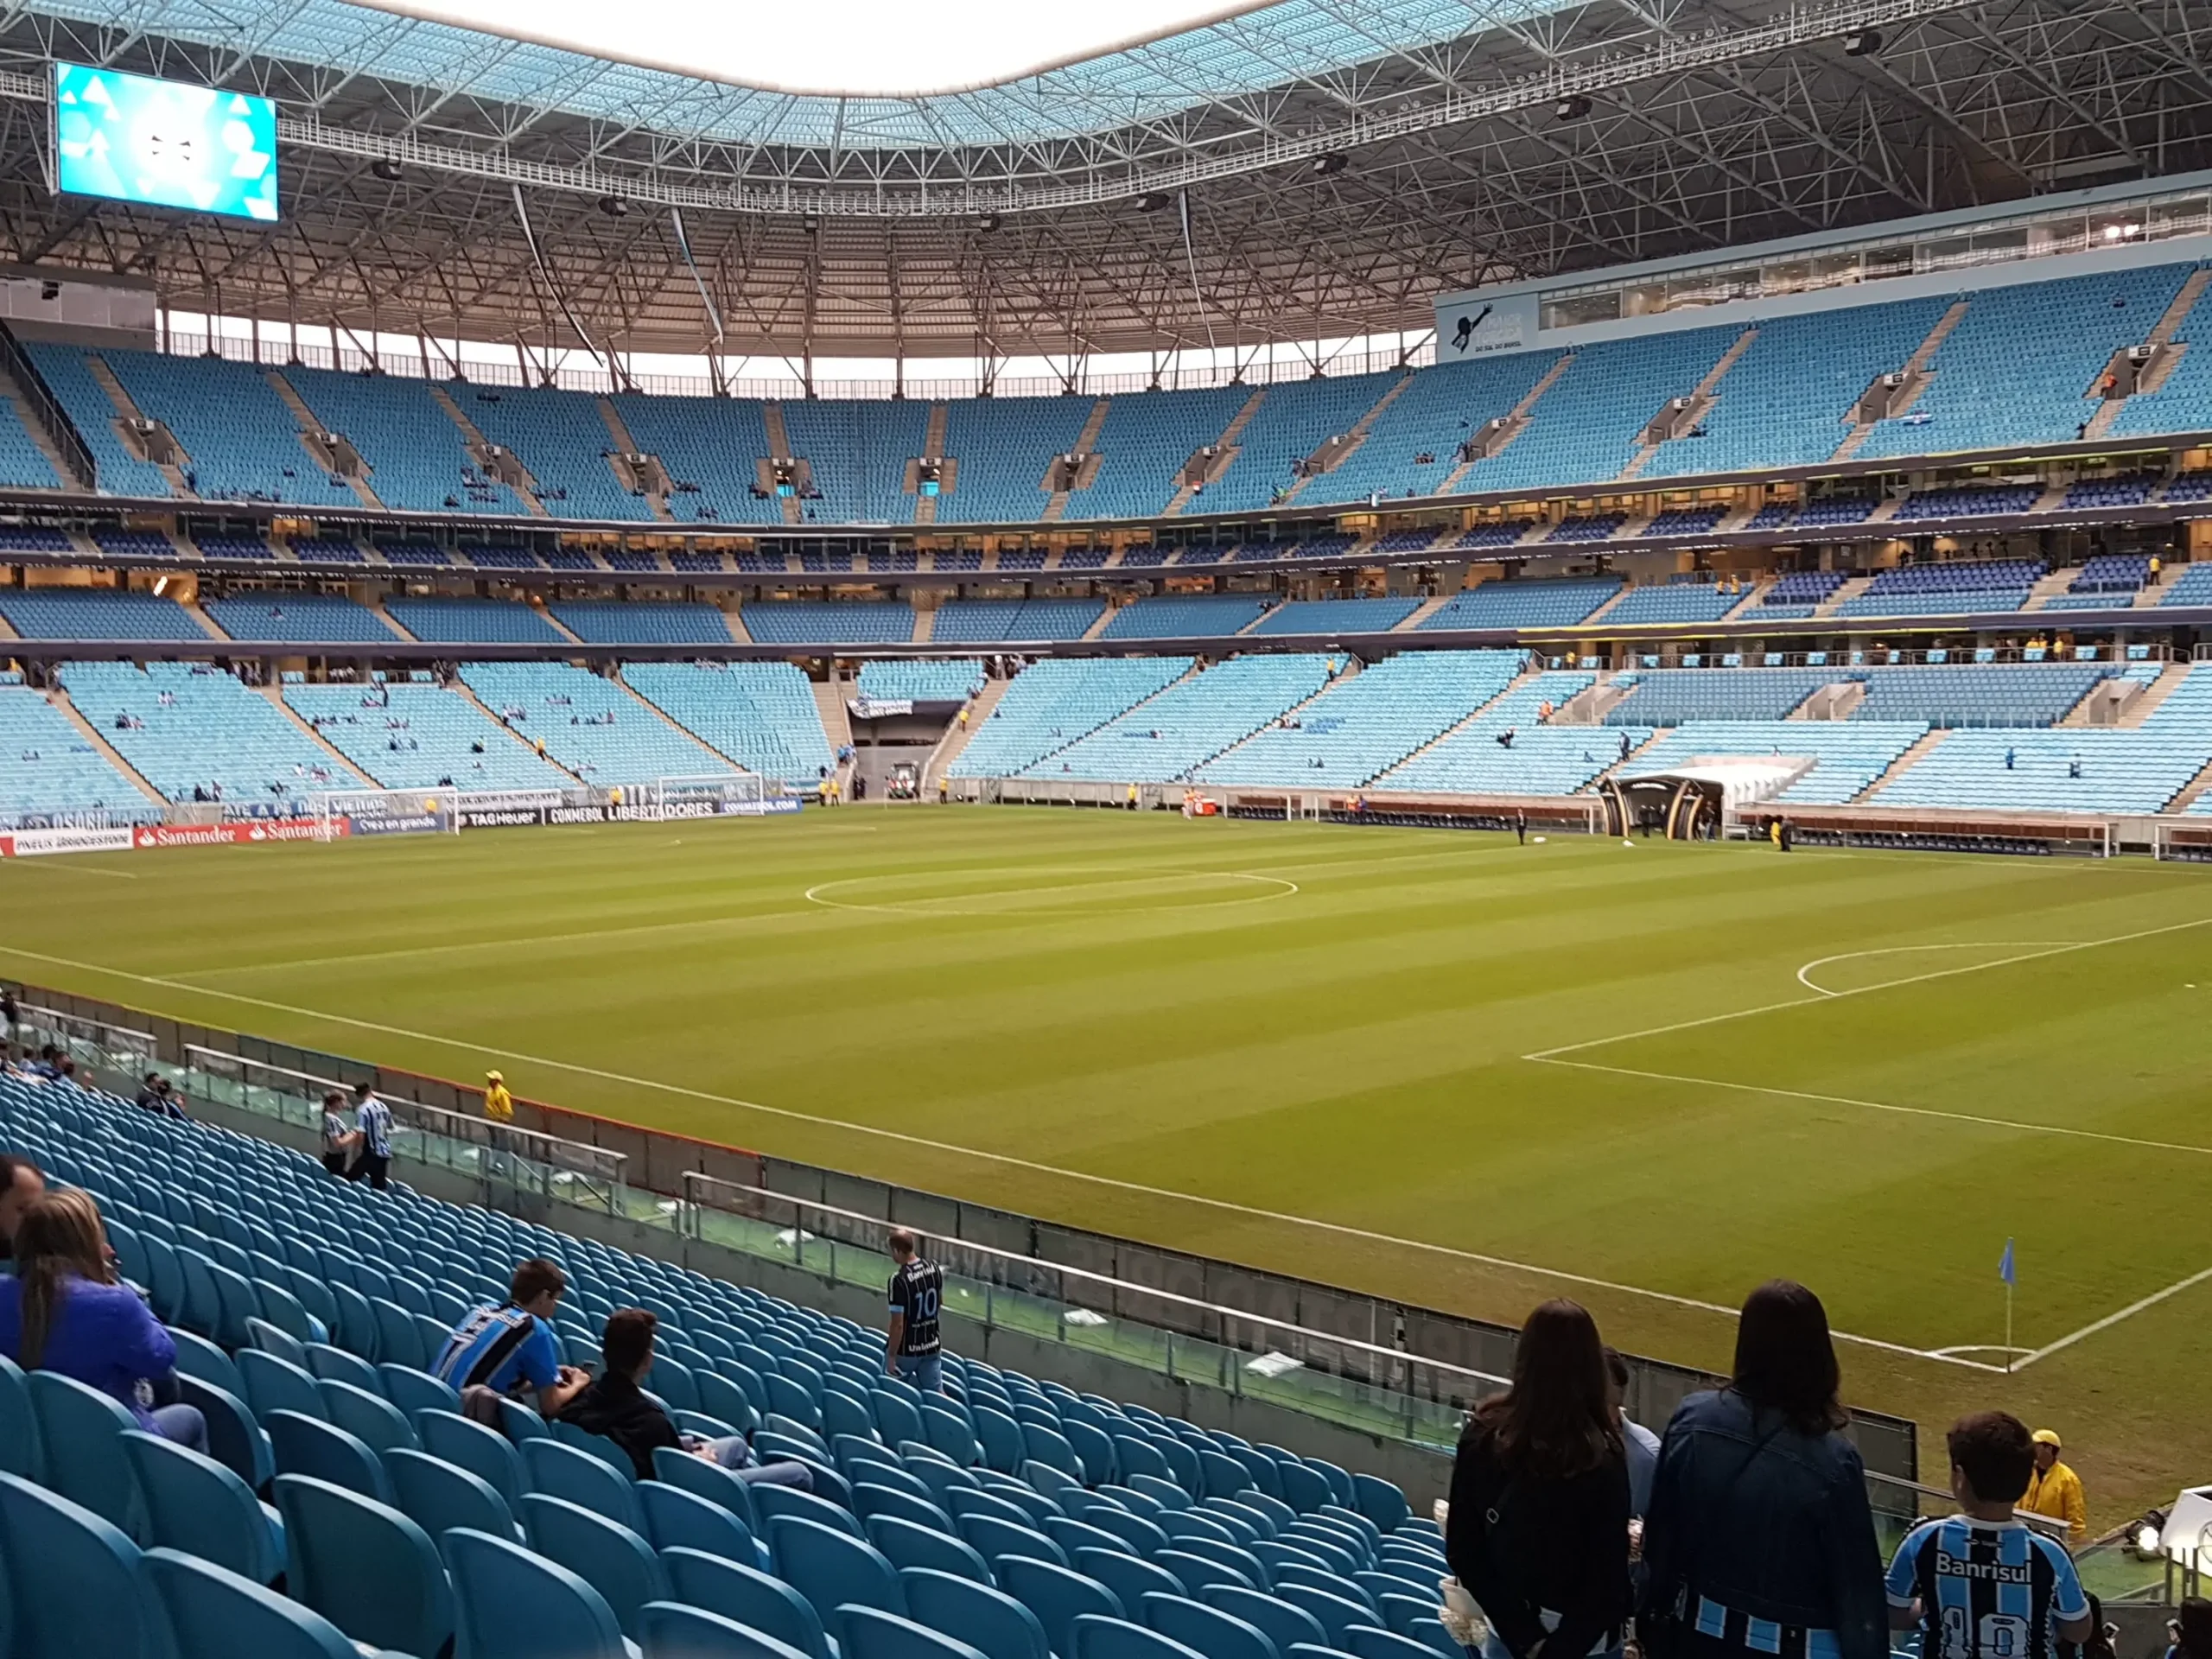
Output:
x,y
1303,169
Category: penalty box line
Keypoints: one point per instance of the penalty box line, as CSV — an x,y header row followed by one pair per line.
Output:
x,y
1225,1206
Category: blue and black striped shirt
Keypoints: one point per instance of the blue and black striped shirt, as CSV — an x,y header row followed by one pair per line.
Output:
x,y
1988,1590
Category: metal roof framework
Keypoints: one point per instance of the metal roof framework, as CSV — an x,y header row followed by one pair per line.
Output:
x,y
1384,160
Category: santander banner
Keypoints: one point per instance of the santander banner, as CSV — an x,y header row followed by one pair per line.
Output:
x,y
225,835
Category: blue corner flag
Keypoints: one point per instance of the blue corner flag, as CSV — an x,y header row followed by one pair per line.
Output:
x,y
2006,1270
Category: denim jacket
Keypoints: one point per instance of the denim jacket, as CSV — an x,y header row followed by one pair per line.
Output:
x,y
1749,1512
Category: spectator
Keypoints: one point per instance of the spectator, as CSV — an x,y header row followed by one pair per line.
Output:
x,y
912,1349
372,1147
65,1311
154,1095
1759,1507
10,1015
2054,1491
23,1183
338,1139
2192,1631
505,1347
1983,1585
1537,1532
498,1105
1639,1444
618,1406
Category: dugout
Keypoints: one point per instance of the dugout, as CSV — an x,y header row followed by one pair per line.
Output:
x,y
1700,799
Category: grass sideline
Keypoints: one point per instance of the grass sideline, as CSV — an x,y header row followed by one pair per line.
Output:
x,y
1431,1065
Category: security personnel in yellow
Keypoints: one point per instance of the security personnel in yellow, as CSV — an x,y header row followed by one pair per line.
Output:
x,y
2056,1490
498,1105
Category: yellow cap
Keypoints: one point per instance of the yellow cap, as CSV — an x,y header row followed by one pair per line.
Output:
x,y
2046,1437
494,1077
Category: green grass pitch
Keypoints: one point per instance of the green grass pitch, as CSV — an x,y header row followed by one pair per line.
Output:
x,y
1646,1077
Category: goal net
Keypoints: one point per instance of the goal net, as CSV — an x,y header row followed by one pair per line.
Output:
x,y
386,811
707,795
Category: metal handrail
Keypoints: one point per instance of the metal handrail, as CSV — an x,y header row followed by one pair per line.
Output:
x,y
92,1031
694,1180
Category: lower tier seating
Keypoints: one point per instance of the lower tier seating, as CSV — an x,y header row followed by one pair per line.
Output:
x,y
410,737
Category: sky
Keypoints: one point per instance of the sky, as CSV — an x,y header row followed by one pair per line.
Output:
x,y
871,48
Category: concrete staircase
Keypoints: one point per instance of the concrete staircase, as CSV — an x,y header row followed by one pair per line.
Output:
x,y
479,448
2189,790
1381,780
1599,615
128,411
957,737
1422,612
925,625
1836,601
1701,397
734,620
1098,625
1623,763
206,622
1837,700
2050,587
346,769
36,429
829,697
2162,367
1226,449
459,687
557,625
779,447
1590,706
1915,371
1340,454
1351,671
375,608
2168,681
108,752
1912,757
619,430
932,449
1086,443
666,719
310,426
1515,419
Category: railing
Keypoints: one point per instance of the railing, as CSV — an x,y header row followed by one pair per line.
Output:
x,y
1244,1354
510,1158
51,417
96,1043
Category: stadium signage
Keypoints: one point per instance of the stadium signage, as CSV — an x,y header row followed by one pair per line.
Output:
x,y
392,824
35,844
503,817
880,708
250,831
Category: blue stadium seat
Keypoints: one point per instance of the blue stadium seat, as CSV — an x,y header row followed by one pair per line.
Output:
x,y
364,1566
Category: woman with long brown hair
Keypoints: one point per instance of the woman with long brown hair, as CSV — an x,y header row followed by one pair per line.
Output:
x,y
64,1312
1538,1530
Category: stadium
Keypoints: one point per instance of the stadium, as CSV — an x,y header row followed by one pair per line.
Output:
x,y
1290,675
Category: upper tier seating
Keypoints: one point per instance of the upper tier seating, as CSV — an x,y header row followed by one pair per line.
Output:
x,y
47,766
1968,501
2112,573
2191,585
1849,755
813,622
1808,588
298,619
1588,527
1541,760
1051,704
1143,445
711,448
639,622
1676,601
96,613
928,680
1189,723
593,728
474,622
1669,696
1363,726
2126,490
998,1459
1294,419
93,414
1963,585
2022,364
760,714
411,736
2008,693
858,451
563,442
1003,445
242,442
1185,616
1553,604
1502,532
1686,521
417,456
2123,769
23,463
196,726
1337,616
1012,622
1828,510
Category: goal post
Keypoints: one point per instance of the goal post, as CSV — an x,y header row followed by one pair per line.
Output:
x,y
707,795
386,811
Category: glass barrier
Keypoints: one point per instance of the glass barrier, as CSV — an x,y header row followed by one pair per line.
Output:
x,y
93,1044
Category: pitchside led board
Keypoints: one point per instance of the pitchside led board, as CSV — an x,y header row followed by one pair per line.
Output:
x,y
164,143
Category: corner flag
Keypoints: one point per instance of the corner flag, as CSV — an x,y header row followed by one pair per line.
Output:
x,y
2006,1270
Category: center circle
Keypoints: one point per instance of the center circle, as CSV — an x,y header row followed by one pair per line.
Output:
x,y
1072,892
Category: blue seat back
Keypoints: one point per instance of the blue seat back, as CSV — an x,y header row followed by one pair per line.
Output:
x,y
80,1432
20,1453
562,1471
871,1633
45,1540
1125,1575
364,1566
1056,1595
1283,1624
905,1543
676,1519
1370,1641
830,1567
438,1496
669,1630
1212,1632
770,1501
196,1504
485,1452
1095,1636
708,1480
1380,1502
607,1555
328,1363
988,1619
368,1417
511,1604
412,1390
214,1613
271,1338
1336,1614
995,1539
751,1597
307,1445
273,1383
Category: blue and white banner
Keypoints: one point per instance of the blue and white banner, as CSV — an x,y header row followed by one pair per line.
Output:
x,y
1477,325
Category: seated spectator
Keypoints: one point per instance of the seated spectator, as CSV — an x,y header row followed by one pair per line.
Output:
x,y
1983,1585
1759,1507
154,1095
2192,1630
618,1406
64,1312
506,1348
23,1183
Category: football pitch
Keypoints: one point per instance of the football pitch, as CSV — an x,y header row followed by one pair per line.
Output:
x,y
1431,1065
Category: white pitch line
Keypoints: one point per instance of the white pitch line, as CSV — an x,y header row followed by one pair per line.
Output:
x,y
69,868
1804,973
2111,1319
1864,990
1286,889
1224,1205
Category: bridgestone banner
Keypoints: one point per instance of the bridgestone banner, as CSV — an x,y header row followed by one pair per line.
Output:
x,y
36,844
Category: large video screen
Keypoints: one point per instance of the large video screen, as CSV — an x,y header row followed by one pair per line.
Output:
x,y
162,143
